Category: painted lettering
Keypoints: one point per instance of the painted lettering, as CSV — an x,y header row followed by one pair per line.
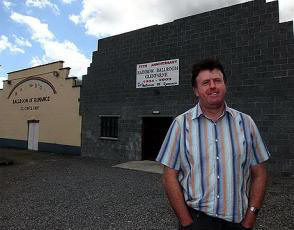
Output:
x,y
145,71
30,100
27,108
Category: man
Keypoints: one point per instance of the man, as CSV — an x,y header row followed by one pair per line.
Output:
x,y
213,157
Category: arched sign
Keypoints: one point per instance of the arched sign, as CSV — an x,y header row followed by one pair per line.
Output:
x,y
31,79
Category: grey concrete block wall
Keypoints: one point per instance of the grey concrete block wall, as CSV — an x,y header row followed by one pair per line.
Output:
x,y
256,50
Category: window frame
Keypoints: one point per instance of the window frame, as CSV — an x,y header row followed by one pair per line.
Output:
x,y
109,129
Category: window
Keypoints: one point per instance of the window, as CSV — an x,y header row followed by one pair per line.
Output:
x,y
109,126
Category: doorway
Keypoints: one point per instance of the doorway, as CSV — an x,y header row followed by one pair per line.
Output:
x,y
153,134
33,135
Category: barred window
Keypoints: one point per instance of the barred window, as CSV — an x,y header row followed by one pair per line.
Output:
x,y
109,126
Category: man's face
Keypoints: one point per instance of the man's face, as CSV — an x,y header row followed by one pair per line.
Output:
x,y
211,89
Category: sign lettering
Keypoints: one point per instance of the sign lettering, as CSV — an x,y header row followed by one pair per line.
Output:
x,y
30,100
158,74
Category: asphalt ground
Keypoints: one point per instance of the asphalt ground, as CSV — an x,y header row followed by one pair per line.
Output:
x,y
56,191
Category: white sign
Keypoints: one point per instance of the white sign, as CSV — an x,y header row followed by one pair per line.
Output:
x,y
158,74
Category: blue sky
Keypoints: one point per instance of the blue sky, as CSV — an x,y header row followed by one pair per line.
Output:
x,y
35,32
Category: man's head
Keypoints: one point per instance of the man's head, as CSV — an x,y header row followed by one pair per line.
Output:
x,y
206,64
208,82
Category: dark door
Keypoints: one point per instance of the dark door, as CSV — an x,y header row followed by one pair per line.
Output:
x,y
154,131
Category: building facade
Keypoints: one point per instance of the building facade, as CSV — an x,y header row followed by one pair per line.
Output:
x,y
139,81
40,110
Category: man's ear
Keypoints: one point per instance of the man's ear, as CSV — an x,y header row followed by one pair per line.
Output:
x,y
195,91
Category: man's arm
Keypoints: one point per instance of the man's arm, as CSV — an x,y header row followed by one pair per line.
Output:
x,y
175,196
257,192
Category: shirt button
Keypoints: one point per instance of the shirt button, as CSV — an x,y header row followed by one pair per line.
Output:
x,y
217,196
217,158
216,140
217,177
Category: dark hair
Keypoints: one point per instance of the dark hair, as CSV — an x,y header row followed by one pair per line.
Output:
x,y
206,64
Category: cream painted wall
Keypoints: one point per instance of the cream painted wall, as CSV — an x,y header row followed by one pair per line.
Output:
x,y
58,114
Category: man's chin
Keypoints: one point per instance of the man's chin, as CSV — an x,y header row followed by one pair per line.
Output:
x,y
216,105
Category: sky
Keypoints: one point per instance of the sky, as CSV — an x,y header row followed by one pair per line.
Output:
x,y
36,32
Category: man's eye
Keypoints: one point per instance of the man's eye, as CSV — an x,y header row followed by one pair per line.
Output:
x,y
205,83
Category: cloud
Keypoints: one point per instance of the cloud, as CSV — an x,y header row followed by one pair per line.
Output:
x,y
1,80
20,41
38,61
67,1
286,8
5,44
66,51
42,4
106,17
102,18
54,50
7,4
75,19
39,30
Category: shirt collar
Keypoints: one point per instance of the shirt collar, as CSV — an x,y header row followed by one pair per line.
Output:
x,y
197,112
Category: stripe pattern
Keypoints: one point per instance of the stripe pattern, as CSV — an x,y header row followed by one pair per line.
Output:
x,y
214,159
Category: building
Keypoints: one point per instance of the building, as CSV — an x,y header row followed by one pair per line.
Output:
x,y
40,110
140,80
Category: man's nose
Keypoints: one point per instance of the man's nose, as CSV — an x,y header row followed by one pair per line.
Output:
x,y
211,84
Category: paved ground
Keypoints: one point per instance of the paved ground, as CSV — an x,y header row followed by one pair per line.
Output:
x,y
49,191
145,166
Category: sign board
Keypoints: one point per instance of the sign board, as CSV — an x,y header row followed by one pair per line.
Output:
x,y
158,74
21,93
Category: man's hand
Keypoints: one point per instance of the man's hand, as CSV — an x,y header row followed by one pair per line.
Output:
x,y
249,220
175,196
257,192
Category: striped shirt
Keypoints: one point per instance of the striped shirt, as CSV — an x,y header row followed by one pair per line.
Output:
x,y
213,160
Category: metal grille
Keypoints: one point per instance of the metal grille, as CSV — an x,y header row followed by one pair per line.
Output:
x,y
109,127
